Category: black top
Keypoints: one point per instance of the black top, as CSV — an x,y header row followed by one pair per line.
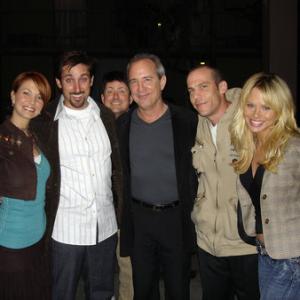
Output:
x,y
253,187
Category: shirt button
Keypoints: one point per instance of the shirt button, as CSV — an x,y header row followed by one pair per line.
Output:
x,y
264,196
267,221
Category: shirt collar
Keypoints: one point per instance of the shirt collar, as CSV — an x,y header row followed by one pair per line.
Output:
x,y
61,111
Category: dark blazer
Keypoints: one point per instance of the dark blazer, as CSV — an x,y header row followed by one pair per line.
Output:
x,y
47,130
184,123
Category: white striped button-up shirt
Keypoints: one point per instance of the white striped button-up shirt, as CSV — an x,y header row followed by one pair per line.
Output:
x,y
86,200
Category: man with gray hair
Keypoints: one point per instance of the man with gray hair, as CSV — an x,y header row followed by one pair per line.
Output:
x,y
155,140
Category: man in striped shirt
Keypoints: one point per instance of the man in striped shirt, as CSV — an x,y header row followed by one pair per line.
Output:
x,y
85,169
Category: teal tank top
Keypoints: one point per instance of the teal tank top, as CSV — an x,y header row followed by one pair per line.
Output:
x,y
23,223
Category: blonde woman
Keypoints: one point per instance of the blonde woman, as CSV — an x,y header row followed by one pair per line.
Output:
x,y
266,138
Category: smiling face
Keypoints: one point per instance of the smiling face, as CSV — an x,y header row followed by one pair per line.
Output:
x,y
206,95
145,85
27,103
116,96
259,117
75,83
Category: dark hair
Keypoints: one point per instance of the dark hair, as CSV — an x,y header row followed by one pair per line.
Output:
x,y
216,73
73,58
39,80
112,76
160,70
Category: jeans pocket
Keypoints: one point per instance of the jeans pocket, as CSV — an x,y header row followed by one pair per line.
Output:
x,y
295,260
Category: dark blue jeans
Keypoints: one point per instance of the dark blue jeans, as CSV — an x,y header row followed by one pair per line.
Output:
x,y
95,263
279,278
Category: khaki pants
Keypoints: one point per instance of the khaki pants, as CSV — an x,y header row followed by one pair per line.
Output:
x,y
125,275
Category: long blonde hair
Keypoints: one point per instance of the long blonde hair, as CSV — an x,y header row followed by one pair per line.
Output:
x,y
277,95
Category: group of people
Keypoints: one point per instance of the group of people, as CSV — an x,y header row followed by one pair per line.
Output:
x,y
83,181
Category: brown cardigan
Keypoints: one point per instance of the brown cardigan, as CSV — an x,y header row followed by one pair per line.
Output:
x,y
18,178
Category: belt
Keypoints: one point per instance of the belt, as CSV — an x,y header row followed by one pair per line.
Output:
x,y
156,207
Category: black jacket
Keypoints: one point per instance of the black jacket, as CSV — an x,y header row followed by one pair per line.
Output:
x,y
184,123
